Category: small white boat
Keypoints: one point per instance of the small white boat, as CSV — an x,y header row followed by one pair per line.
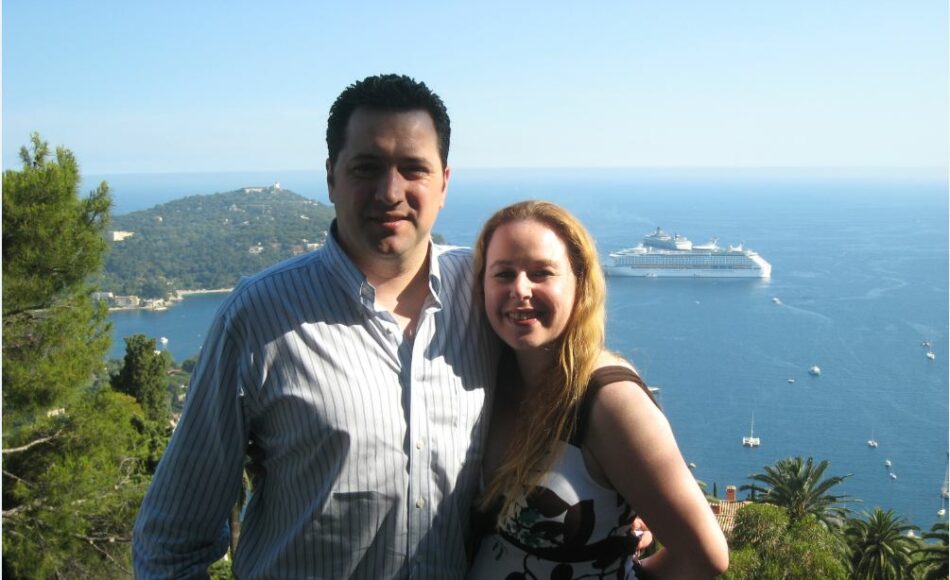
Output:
x,y
691,465
925,343
931,355
751,440
887,463
814,371
791,381
163,340
943,502
872,442
893,475
776,300
911,534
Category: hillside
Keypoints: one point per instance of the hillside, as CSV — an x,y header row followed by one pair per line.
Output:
x,y
210,241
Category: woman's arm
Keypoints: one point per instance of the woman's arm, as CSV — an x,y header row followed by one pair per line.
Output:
x,y
632,444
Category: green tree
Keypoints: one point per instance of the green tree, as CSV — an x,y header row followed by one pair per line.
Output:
x,y
759,526
796,484
54,337
143,376
73,471
880,546
52,239
931,558
69,501
766,544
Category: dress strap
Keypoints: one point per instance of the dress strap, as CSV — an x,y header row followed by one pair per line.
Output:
x,y
599,378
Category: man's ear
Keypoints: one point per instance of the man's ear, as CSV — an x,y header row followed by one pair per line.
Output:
x,y
330,179
446,173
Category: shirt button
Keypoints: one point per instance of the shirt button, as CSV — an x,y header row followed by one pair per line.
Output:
x,y
420,444
420,502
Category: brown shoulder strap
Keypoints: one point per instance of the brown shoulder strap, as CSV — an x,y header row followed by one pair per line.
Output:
x,y
599,378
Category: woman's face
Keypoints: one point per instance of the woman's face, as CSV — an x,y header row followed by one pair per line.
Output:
x,y
529,285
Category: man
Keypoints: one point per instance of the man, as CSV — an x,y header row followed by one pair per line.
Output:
x,y
353,377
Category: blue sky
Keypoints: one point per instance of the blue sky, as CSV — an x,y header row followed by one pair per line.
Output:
x,y
239,86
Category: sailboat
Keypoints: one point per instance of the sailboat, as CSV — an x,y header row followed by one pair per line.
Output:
x,y
751,440
872,442
944,493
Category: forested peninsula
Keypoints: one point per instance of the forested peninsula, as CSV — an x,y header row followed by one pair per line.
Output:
x,y
209,241
204,242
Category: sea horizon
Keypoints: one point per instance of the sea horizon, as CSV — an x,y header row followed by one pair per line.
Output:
x,y
134,191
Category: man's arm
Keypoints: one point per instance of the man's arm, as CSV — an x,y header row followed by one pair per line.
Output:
x,y
181,527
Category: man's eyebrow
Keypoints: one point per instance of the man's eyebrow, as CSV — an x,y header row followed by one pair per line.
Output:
x,y
376,157
365,157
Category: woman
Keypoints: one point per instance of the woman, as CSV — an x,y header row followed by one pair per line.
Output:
x,y
574,424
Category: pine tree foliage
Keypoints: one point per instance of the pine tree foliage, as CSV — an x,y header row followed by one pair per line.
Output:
x,y
74,458
143,376
69,502
54,337
52,238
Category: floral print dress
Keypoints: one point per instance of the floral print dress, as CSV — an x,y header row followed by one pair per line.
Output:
x,y
569,526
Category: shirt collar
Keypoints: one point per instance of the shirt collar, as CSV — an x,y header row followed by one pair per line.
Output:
x,y
354,282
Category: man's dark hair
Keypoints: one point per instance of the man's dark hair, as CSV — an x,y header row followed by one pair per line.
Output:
x,y
396,93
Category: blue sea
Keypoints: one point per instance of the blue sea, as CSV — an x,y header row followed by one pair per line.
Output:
x,y
860,268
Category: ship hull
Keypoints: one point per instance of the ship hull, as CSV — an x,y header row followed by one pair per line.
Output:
x,y
631,272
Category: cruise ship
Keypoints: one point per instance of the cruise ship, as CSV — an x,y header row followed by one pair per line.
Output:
x,y
662,255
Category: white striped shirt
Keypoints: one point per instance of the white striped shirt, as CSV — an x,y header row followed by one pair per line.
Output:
x,y
365,446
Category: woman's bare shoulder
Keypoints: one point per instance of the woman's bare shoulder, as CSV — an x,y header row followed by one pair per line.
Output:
x,y
615,401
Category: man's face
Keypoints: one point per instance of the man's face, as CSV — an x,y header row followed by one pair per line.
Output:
x,y
387,185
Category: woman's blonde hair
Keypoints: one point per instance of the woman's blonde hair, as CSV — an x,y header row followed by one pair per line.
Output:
x,y
552,419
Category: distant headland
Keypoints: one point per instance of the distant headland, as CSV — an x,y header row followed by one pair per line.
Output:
x,y
205,243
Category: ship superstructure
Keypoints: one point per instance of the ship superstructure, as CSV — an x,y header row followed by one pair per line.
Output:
x,y
664,255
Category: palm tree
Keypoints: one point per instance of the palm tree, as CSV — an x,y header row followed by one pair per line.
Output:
x,y
933,557
880,546
796,484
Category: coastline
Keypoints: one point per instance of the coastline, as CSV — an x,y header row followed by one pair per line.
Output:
x,y
166,303
203,291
